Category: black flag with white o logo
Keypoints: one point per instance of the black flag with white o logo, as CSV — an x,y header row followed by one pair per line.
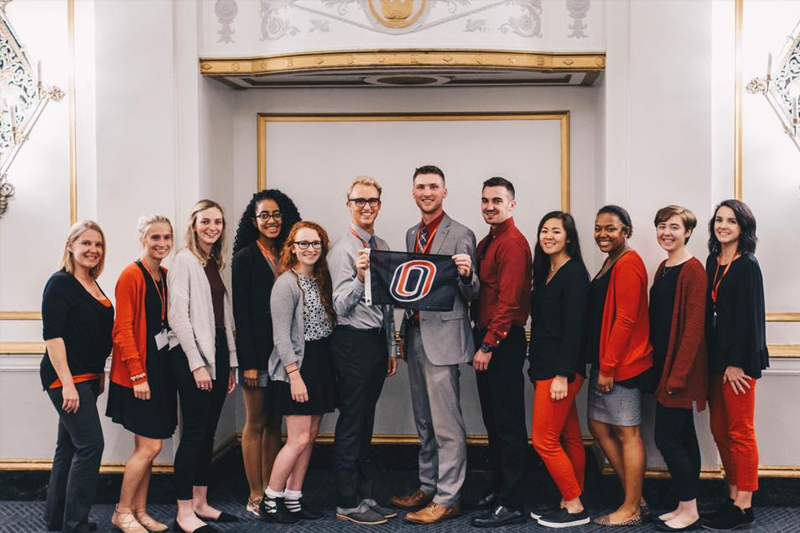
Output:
x,y
412,281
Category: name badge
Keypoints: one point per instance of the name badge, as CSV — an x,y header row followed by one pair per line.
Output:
x,y
161,339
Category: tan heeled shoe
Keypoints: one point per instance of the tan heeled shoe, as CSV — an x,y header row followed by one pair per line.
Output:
x,y
150,523
124,520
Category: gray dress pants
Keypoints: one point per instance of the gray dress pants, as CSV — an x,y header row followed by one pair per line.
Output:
x,y
435,392
76,464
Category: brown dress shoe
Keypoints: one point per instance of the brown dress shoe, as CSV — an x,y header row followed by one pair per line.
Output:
x,y
433,513
416,499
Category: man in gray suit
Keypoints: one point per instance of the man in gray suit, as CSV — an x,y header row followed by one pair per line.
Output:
x,y
434,344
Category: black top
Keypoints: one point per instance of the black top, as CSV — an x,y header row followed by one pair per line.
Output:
x,y
662,302
737,336
253,279
217,293
152,305
85,324
557,318
596,308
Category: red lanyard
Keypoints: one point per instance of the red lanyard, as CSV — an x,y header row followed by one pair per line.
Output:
x,y
357,236
724,272
420,249
160,292
266,255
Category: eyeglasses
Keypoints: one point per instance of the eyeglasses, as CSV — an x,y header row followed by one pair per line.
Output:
x,y
264,216
361,202
303,245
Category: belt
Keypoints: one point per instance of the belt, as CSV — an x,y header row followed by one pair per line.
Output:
x,y
368,331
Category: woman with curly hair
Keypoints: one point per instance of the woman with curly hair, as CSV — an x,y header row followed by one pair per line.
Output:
x,y
301,366
263,228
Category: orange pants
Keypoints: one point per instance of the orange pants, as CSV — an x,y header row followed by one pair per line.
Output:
x,y
732,426
552,422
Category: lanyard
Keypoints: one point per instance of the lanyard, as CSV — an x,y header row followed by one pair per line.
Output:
x,y
424,250
363,242
267,255
715,290
160,292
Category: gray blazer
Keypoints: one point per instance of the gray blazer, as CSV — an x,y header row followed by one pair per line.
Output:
x,y
288,326
447,336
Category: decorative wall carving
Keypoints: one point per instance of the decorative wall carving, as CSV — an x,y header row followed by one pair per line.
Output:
x,y
577,12
527,24
226,11
273,26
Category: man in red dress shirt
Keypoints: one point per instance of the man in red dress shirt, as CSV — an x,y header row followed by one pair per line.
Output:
x,y
504,269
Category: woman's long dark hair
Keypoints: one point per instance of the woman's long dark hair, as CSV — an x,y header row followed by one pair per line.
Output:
x,y
247,232
541,261
747,225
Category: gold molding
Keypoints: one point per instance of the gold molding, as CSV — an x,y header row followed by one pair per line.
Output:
x,y
561,116
37,465
445,58
20,315
786,472
73,128
403,22
784,351
22,348
790,316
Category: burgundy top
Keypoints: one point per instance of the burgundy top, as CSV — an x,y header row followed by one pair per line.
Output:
x,y
505,273
685,376
217,292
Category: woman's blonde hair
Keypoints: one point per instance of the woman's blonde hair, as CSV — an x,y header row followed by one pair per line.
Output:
x,y
321,273
145,221
218,250
68,260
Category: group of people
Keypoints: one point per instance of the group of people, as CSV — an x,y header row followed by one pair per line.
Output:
x,y
307,344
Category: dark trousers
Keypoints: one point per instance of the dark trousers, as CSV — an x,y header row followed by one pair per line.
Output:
x,y
200,411
360,362
76,464
677,441
501,390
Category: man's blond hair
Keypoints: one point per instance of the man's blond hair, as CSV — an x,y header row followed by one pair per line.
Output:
x,y
369,181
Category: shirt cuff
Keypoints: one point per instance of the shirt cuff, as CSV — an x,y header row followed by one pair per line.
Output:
x,y
607,370
493,339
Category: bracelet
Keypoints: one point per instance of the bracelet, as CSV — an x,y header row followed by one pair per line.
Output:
x,y
137,377
291,371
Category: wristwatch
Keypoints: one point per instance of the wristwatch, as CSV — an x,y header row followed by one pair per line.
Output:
x,y
486,347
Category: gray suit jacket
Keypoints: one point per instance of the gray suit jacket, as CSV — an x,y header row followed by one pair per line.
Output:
x,y
447,336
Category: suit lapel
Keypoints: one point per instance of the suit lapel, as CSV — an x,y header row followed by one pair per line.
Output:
x,y
411,234
441,234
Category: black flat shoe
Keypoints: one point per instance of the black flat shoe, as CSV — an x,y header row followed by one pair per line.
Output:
x,y
500,516
223,518
176,527
662,526
278,513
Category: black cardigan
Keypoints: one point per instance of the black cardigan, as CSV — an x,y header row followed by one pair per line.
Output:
x,y
71,313
252,286
558,316
739,338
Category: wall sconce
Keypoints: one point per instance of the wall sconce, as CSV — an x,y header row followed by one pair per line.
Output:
x,y
782,90
22,100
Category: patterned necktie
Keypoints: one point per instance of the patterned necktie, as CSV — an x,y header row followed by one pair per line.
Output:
x,y
422,240
371,243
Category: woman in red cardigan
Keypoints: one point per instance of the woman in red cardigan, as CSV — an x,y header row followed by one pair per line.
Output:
x,y
680,366
142,396
620,352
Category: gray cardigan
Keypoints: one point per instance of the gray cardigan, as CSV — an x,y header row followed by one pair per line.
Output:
x,y
288,326
191,313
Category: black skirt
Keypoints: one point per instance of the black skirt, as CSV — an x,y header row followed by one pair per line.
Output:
x,y
317,374
157,417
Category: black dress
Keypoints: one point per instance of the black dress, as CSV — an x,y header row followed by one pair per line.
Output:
x,y
662,302
157,417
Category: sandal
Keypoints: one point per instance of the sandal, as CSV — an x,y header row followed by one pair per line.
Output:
x,y
605,521
124,520
150,523
252,506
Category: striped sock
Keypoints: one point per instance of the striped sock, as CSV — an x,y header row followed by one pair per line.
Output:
x,y
270,497
293,500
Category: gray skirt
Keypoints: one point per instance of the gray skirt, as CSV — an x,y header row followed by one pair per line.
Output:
x,y
620,407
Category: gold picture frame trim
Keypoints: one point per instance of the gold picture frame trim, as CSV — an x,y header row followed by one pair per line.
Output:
x,y
382,58
561,116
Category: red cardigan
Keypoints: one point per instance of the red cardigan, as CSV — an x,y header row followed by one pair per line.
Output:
x,y
129,356
625,349
685,373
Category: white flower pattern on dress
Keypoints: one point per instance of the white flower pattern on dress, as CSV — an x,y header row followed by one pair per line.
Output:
x,y
317,324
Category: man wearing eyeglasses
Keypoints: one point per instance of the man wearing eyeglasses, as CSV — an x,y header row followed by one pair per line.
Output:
x,y
435,343
363,350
